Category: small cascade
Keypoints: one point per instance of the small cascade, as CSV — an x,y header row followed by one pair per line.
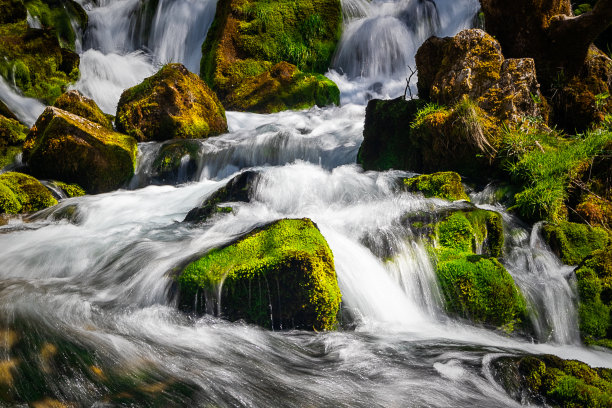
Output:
x,y
26,109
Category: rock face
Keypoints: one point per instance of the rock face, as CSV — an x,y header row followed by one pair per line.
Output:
x,y
279,276
551,381
471,64
12,136
75,102
63,146
20,193
239,188
41,62
172,104
445,185
248,40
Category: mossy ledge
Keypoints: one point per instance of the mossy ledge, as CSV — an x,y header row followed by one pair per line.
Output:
x,y
573,242
266,56
278,276
75,102
20,193
445,185
63,146
551,381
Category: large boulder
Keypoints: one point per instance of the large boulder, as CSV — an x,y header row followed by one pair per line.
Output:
x,y
75,102
547,380
12,136
278,276
20,193
41,62
471,65
172,104
248,40
63,146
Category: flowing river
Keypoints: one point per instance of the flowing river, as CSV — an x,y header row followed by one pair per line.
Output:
x,y
90,281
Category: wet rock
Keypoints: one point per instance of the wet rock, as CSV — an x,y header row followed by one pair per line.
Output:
x,y
63,146
471,65
12,136
238,189
445,185
176,162
75,102
172,104
20,193
278,276
248,40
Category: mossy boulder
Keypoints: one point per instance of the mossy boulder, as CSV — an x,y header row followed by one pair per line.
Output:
x,y
445,185
238,189
70,190
172,104
67,147
66,17
20,193
75,102
176,162
278,276
551,381
572,242
34,59
471,65
12,136
249,38
594,277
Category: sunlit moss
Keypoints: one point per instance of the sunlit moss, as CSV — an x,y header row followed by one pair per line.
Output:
x,y
23,193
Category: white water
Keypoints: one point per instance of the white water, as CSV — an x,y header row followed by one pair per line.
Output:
x,y
97,270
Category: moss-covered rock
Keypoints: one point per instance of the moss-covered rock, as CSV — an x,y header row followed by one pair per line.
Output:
x,y
71,190
12,136
22,193
66,17
12,11
34,59
281,276
594,277
249,38
572,242
446,185
67,147
168,163
172,104
238,189
471,64
551,381
75,102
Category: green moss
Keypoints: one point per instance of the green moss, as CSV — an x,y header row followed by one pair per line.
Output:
x,y
71,190
8,201
58,15
286,266
30,194
66,147
572,242
75,102
12,133
249,37
446,185
172,104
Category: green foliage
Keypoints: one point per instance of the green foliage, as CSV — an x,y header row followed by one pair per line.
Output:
x,y
572,242
293,262
58,15
22,193
446,185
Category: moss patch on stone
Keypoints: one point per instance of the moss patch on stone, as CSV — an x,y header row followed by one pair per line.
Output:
x,y
172,104
445,185
22,193
286,266
572,242
71,190
168,162
75,102
12,136
59,15
249,38
63,146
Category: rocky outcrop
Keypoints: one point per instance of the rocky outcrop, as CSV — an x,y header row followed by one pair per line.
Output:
x,y
278,276
265,56
472,65
63,146
238,189
20,193
75,102
172,104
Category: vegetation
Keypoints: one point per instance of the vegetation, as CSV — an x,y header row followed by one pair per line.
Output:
x,y
445,185
12,136
281,276
75,102
20,193
573,242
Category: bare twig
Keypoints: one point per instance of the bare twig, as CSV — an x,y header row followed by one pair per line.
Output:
x,y
412,73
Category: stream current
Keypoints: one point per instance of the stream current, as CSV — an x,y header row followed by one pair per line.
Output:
x,y
94,275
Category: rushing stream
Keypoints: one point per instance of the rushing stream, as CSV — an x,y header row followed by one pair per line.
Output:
x,y
93,275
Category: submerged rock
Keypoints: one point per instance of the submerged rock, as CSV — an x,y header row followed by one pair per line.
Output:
x,y
63,146
551,381
278,276
75,102
266,56
172,104
572,242
445,185
239,188
20,193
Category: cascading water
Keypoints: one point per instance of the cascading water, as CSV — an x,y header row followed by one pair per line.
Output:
x,y
93,275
